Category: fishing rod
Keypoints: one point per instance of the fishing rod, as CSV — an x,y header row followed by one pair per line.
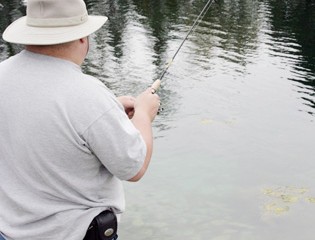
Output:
x,y
155,86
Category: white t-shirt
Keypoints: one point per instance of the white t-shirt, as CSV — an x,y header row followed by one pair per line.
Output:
x,y
65,145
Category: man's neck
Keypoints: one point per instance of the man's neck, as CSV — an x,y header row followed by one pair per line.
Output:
x,y
59,51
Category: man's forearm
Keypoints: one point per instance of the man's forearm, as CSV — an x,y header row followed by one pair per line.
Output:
x,y
143,123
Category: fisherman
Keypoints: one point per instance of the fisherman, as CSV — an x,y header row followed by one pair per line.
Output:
x,y
66,142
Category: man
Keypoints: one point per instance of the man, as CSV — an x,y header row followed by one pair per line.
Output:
x,y
66,142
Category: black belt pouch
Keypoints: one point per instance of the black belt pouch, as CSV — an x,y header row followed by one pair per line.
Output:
x,y
103,227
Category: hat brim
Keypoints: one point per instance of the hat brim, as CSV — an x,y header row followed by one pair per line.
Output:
x,y
20,33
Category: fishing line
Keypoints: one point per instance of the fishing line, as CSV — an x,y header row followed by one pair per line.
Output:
x,y
205,9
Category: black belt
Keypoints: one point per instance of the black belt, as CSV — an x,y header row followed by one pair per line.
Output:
x,y
103,227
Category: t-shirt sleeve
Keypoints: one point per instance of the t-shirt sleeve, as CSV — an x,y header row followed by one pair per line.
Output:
x,y
117,143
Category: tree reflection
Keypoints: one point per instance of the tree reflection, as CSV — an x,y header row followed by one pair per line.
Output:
x,y
10,10
297,18
233,27
160,16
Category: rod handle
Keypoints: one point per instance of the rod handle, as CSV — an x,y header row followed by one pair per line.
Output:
x,y
155,86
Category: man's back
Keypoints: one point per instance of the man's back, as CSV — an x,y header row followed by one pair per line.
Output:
x,y
54,144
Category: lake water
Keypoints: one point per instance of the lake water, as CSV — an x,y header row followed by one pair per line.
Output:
x,y
234,154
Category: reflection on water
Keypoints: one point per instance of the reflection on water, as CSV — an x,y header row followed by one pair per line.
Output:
x,y
234,144
231,31
11,10
294,31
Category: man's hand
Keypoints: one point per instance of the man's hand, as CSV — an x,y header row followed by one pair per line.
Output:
x,y
147,103
128,103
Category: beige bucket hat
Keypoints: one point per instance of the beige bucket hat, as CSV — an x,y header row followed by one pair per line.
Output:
x,y
49,22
